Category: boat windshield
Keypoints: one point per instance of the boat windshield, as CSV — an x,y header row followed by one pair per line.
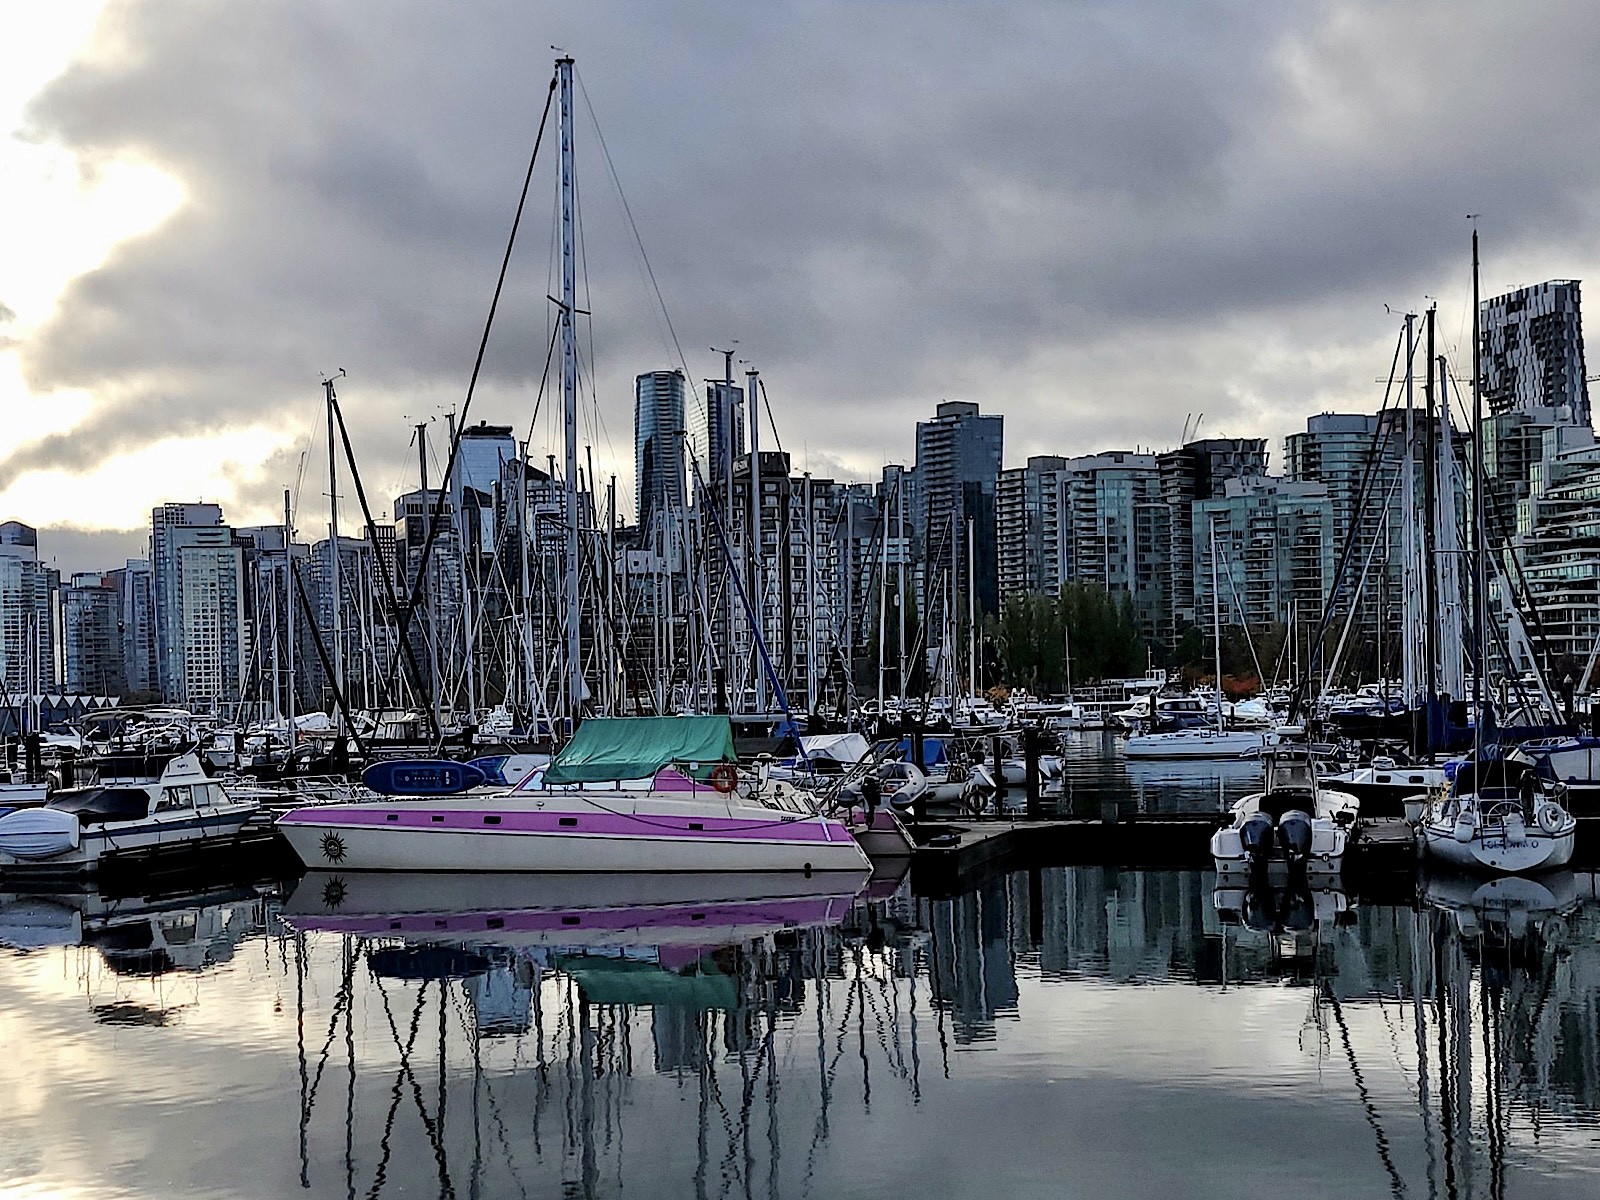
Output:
x,y
1286,772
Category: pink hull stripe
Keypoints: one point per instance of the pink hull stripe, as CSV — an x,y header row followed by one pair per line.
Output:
x,y
582,823
827,910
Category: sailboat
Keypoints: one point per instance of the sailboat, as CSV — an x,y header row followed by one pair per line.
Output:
x,y
1498,813
1202,742
1496,816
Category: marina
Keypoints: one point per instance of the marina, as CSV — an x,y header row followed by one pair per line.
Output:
x,y
803,1045
756,792
697,1034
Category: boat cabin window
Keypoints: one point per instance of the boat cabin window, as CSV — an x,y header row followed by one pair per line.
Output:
x,y
175,797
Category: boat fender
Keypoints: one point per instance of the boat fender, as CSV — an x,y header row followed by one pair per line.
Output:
x,y
1550,818
1465,827
724,777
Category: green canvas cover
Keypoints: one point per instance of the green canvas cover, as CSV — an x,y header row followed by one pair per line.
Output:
x,y
622,981
610,748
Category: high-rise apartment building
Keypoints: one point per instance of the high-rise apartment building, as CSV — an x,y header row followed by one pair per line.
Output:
x,y
1274,552
1196,471
953,499
165,522
363,642
1559,548
658,444
1531,351
718,436
1107,504
1027,512
29,596
201,636
91,610
137,608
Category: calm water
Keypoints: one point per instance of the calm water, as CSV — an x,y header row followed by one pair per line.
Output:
x,y
1061,1032
1096,775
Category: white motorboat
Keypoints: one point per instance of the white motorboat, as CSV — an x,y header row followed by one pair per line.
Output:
x,y
71,833
1495,816
1196,743
626,794
1294,826
21,793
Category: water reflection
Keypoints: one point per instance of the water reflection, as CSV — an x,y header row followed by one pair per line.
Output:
x,y
1096,775
1118,1030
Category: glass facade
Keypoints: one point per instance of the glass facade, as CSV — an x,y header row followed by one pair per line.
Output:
x,y
658,444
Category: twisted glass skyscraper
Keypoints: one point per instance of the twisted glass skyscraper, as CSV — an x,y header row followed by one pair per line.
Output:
x,y
658,433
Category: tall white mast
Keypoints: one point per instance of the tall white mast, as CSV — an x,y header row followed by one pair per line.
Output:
x,y
757,595
883,595
811,600
900,592
1447,564
288,609
337,583
972,610
569,392
1410,582
1216,620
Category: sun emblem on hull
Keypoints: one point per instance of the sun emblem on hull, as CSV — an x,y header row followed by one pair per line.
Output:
x,y
333,847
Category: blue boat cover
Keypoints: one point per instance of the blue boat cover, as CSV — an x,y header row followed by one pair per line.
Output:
x,y
933,753
421,777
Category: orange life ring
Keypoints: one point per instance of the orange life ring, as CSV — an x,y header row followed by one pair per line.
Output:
x,y
724,777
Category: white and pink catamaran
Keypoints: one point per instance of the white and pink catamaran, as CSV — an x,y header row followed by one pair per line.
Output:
x,y
626,794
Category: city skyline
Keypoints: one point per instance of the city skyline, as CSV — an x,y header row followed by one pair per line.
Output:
x,y
1098,224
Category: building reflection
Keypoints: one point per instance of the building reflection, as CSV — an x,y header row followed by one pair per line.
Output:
x,y
486,1056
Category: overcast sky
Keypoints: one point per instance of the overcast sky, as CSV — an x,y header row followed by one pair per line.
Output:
x,y
1100,220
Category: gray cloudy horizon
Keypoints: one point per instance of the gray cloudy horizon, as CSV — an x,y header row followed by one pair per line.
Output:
x,y
1099,220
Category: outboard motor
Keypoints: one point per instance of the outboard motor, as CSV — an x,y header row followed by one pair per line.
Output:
x,y
1294,836
1255,836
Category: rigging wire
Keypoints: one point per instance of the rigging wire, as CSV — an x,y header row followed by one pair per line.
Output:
x,y
477,367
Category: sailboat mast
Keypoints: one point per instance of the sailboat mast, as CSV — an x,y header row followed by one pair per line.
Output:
x,y
883,593
1430,486
1411,620
755,549
811,599
1216,621
1479,608
972,610
569,393
900,596
288,610
337,584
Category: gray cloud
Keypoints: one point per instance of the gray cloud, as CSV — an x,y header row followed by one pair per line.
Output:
x,y
1094,218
